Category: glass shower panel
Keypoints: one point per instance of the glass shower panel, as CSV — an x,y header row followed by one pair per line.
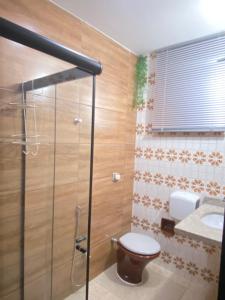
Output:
x,y
72,172
45,146
39,191
10,192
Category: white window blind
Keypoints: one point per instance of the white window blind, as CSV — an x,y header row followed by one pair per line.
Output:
x,y
190,87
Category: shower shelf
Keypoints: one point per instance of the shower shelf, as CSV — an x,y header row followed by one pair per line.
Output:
x,y
23,106
23,138
25,143
22,134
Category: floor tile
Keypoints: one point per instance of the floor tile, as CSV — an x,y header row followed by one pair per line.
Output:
x,y
200,292
155,286
96,292
158,284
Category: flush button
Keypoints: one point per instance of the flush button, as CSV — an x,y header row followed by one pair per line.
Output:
x,y
116,177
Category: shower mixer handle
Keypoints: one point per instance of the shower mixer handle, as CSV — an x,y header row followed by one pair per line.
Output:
x,y
81,249
80,239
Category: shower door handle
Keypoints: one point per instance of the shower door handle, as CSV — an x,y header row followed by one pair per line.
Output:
x,y
77,120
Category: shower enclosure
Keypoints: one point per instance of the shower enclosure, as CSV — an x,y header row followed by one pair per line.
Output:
x,y
46,154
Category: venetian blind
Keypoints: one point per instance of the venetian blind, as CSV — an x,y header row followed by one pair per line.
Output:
x,y
190,87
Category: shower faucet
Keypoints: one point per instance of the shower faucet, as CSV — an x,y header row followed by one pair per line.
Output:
x,y
78,246
80,239
81,249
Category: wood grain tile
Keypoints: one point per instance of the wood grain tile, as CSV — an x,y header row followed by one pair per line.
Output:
x,y
61,281
129,157
15,295
83,203
66,130
108,159
106,212
10,151
109,95
37,266
38,243
11,282
109,127
130,126
85,114
66,163
39,288
38,237
85,90
38,199
115,129
40,168
69,92
45,118
103,255
10,204
84,162
10,175
67,198
63,250
11,116
10,242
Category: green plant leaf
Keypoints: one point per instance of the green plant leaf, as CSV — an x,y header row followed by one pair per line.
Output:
x,y
140,80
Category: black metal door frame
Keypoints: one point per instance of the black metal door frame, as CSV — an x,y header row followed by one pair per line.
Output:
x,y
85,66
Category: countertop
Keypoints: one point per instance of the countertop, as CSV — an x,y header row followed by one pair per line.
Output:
x,y
193,227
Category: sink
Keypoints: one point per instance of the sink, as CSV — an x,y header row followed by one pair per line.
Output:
x,y
213,220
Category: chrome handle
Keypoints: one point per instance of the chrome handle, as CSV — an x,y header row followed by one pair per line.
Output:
x,y
80,239
77,120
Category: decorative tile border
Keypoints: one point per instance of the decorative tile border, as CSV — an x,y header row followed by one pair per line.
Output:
x,y
214,158
212,188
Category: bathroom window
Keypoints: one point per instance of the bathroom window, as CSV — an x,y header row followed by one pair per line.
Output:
x,y
189,87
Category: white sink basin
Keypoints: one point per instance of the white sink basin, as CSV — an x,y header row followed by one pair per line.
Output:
x,y
213,220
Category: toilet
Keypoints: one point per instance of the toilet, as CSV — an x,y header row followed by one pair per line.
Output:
x,y
134,252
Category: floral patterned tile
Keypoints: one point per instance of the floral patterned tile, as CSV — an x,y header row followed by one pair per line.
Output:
x,y
165,162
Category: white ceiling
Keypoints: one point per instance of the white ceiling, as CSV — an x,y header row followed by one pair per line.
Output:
x,y
145,25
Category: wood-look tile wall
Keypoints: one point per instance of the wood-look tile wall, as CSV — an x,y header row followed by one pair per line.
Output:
x,y
114,151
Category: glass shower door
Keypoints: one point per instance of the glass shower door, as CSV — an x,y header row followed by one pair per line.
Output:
x,y
57,171
45,144
72,182
39,176
27,142
10,194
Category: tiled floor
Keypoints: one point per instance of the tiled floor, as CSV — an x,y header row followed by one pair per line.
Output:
x,y
158,284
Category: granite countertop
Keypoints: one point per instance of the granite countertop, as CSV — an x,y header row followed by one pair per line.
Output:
x,y
193,227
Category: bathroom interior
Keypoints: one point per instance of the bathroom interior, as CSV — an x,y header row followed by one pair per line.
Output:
x,y
112,150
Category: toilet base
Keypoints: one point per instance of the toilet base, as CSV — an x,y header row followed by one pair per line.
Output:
x,y
129,268
130,265
128,283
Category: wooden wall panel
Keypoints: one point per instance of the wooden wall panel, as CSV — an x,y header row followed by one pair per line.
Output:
x,y
114,144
